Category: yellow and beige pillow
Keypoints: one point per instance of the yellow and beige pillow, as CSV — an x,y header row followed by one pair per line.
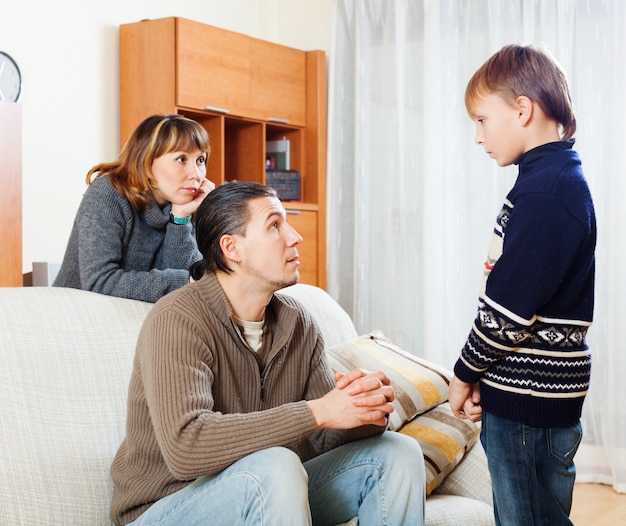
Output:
x,y
419,384
444,439
421,408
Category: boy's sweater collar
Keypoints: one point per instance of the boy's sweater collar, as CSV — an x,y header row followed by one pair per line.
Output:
x,y
540,151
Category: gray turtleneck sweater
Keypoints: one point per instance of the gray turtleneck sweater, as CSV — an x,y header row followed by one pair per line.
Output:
x,y
117,251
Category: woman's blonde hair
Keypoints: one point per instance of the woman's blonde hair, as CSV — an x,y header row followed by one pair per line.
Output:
x,y
131,174
529,71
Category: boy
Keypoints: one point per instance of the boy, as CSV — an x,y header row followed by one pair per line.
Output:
x,y
527,348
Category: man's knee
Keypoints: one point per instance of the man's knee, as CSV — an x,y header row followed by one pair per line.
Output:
x,y
281,469
401,450
280,478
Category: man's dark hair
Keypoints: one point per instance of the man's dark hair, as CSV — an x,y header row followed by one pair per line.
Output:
x,y
224,211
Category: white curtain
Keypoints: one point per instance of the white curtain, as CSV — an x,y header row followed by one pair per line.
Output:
x,y
412,200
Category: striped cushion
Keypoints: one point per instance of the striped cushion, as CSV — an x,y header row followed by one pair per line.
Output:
x,y
419,384
444,439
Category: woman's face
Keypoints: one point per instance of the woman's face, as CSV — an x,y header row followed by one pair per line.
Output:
x,y
179,176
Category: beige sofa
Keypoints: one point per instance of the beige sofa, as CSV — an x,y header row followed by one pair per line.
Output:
x,y
65,362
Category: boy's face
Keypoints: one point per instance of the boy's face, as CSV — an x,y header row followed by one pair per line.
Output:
x,y
498,128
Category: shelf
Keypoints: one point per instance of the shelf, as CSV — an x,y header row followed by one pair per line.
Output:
x,y
245,92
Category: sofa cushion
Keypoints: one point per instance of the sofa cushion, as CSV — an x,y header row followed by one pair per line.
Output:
x,y
419,384
452,509
470,478
444,440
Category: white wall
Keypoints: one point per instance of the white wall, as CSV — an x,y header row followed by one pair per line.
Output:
x,y
68,54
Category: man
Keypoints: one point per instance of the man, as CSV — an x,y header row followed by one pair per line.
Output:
x,y
234,416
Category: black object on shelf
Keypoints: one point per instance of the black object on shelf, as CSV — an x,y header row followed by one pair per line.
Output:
x,y
285,182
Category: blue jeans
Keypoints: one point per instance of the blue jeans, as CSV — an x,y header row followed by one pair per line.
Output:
x,y
532,471
379,479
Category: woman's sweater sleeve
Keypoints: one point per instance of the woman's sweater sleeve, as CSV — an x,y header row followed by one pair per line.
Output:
x,y
115,251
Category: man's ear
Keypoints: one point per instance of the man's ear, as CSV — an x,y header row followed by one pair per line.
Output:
x,y
229,247
525,109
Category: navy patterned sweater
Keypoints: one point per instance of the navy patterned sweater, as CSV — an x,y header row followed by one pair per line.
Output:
x,y
527,345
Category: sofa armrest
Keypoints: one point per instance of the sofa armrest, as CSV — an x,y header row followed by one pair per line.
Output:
x,y
65,361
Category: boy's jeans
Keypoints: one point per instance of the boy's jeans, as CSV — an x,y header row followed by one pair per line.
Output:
x,y
532,471
380,479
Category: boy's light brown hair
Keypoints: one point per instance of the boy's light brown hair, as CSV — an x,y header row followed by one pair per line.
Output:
x,y
531,71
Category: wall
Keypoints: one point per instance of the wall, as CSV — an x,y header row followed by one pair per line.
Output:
x,y
68,54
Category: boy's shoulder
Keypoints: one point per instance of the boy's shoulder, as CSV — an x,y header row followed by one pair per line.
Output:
x,y
549,164
555,179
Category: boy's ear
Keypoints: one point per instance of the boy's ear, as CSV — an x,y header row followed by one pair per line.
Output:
x,y
524,108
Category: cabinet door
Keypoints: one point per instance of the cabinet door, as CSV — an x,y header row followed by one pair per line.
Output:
x,y
213,68
147,71
305,222
277,83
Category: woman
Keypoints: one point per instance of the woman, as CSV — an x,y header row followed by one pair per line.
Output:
x,y
133,235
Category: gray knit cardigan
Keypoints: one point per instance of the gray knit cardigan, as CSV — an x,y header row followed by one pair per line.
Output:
x,y
117,251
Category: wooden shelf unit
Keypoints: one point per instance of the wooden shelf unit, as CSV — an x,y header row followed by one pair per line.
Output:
x,y
244,91
11,194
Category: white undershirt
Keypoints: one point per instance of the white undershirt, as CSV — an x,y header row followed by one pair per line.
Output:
x,y
252,332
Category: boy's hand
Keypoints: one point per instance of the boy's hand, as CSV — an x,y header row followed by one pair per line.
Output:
x,y
464,400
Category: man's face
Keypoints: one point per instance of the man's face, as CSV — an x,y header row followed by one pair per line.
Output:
x,y
268,250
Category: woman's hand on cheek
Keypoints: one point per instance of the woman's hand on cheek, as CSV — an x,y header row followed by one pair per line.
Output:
x,y
189,208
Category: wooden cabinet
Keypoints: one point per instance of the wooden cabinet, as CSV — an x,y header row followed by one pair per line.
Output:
x,y
277,80
244,91
11,194
212,68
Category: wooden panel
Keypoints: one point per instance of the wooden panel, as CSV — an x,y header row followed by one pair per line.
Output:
x,y
147,71
213,68
315,147
278,82
305,222
11,194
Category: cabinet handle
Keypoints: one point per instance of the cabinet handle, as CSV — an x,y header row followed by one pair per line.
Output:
x,y
293,212
276,119
215,108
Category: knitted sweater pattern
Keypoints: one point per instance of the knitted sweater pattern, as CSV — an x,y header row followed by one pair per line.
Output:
x,y
527,345
199,399
117,251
